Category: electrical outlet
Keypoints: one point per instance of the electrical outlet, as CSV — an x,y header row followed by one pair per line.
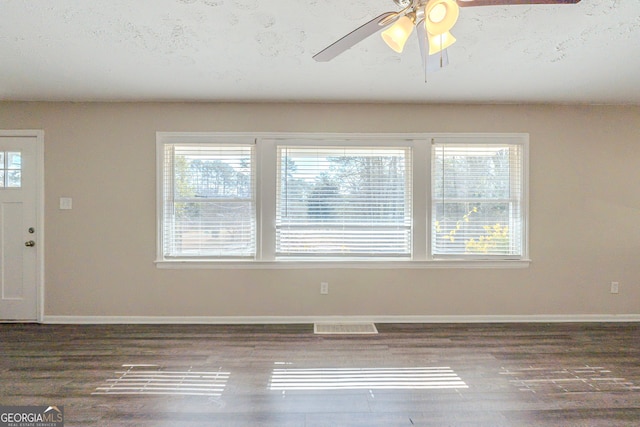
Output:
x,y
324,288
614,287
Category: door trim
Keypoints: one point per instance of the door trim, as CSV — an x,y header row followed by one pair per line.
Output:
x,y
39,136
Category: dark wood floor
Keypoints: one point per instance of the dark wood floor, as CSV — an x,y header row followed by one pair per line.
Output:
x,y
407,375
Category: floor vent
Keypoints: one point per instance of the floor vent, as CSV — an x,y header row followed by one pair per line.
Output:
x,y
344,328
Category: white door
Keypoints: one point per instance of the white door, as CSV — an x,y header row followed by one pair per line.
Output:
x,y
19,245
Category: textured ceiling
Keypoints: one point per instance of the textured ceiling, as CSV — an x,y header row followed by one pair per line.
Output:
x,y
251,50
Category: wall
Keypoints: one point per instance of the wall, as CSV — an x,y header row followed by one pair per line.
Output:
x,y
584,211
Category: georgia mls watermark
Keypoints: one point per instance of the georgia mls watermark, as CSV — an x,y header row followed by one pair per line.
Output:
x,y
31,416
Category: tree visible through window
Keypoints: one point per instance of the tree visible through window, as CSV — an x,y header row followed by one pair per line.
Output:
x,y
313,197
343,201
477,199
209,201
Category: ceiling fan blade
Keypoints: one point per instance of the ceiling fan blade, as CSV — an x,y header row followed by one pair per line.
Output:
x,y
431,63
465,3
356,36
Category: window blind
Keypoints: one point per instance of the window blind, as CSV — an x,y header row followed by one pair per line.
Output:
x,y
209,201
477,196
343,202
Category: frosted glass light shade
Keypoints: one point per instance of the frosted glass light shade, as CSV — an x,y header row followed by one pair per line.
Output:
x,y
440,42
396,36
440,16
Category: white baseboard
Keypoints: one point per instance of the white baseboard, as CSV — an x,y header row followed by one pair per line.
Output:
x,y
237,320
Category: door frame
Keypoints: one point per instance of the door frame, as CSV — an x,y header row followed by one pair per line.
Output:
x,y
39,205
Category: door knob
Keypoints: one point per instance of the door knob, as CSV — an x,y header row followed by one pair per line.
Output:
x,y
30,243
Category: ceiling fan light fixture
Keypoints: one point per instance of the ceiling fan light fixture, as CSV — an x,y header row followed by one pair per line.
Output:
x,y
440,42
441,16
438,13
396,36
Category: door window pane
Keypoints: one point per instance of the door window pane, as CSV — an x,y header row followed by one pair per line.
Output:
x,y
11,169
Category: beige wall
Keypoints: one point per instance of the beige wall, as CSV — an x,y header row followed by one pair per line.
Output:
x,y
584,215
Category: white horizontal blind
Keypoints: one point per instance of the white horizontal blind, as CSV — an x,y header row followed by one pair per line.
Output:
x,y
477,197
343,202
209,201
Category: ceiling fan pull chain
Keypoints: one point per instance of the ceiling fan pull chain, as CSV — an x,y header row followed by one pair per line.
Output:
x,y
425,71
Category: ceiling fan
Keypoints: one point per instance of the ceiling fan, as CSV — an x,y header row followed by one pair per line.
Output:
x,y
432,20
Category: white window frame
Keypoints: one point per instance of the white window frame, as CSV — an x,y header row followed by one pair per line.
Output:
x,y
522,142
265,166
164,140
403,145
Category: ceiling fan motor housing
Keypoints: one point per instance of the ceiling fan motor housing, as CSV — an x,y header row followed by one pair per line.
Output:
x,y
403,3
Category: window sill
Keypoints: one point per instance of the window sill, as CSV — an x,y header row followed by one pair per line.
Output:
x,y
322,264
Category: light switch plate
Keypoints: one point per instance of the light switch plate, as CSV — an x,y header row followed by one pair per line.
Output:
x,y
66,203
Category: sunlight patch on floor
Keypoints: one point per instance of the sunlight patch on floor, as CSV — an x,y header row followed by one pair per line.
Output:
x,y
582,379
365,379
145,380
